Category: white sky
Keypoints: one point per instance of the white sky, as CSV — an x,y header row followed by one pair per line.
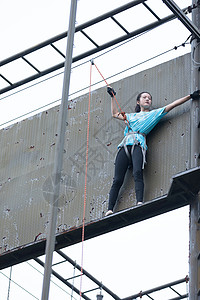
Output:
x,y
141,256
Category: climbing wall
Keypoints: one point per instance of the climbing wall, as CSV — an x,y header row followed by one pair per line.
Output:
x,y
28,148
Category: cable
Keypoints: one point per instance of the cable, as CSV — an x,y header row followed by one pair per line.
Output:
x,y
196,64
9,283
20,286
79,65
85,62
116,74
30,112
51,279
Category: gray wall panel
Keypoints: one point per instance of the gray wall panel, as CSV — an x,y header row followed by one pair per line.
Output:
x,y
28,147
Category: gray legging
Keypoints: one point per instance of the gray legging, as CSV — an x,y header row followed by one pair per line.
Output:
x,y
121,165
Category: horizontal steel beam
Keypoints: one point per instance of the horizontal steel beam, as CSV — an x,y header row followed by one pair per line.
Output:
x,y
90,52
97,282
63,280
182,17
78,28
168,285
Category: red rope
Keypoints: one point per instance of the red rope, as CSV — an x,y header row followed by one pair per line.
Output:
x,y
85,190
86,164
122,112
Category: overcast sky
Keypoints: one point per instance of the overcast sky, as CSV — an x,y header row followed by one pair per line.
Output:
x,y
141,256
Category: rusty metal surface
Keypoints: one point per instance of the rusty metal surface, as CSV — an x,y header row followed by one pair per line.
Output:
x,y
27,153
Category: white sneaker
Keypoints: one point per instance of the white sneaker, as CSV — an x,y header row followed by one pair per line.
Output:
x,y
139,203
109,212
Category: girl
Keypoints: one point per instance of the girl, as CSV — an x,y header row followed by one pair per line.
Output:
x,y
133,147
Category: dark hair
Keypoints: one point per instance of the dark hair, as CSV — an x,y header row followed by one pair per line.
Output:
x,y
137,108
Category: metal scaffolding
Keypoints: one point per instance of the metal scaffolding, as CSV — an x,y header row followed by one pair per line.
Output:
x,y
98,286
185,186
93,45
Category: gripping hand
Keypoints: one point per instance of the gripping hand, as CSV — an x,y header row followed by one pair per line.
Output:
x,y
111,91
195,95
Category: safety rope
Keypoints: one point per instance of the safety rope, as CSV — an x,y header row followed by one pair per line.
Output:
x,y
85,189
86,163
122,112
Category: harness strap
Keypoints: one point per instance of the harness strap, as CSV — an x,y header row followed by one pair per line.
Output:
x,y
135,143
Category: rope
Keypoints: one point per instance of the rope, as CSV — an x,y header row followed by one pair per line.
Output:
x,y
85,190
122,112
80,90
108,86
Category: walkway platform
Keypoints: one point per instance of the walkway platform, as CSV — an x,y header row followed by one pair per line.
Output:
x,y
182,192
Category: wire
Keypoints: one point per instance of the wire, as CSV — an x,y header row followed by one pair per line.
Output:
x,y
51,279
196,64
30,112
9,283
79,65
107,78
20,286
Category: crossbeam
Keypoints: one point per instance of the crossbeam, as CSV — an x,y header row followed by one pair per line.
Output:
x,y
183,18
81,28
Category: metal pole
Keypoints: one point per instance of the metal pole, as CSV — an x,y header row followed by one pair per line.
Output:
x,y
99,297
194,283
62,122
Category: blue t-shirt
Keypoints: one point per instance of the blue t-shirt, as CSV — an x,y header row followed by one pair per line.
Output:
x,y
143,122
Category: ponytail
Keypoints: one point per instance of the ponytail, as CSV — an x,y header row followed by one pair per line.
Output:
x,y
137,108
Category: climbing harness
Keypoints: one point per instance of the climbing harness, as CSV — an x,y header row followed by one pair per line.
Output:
x,y
123,144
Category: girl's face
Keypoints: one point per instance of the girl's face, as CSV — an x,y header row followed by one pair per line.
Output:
x,y
145,102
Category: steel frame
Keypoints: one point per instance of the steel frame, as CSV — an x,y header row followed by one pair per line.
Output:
x,y
183,199
183,18
50,42
177,197
101,287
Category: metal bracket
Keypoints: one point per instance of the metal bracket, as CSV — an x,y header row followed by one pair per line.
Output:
x,y
199,220
183,18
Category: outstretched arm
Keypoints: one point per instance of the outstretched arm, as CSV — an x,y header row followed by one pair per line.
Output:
x,y
114,110
194,96
177,103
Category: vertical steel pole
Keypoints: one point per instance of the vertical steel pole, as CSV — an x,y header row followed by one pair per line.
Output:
x,y
194,264
58,162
